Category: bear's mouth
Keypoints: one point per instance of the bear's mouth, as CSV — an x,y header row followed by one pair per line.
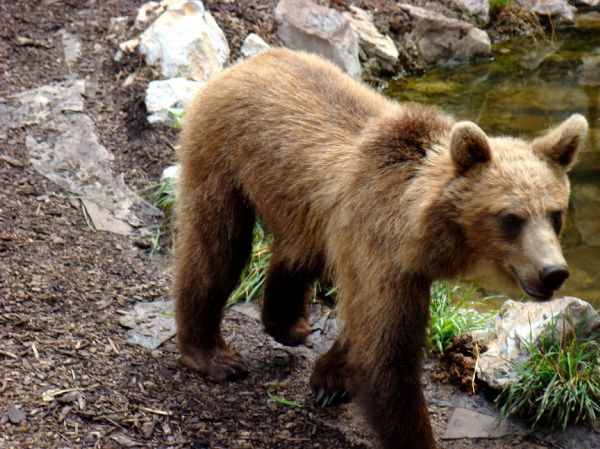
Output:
x,y
535,292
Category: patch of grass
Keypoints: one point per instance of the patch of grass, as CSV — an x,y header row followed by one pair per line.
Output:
x,y
176,115
253,276
164,199
449,318
498,5
559,385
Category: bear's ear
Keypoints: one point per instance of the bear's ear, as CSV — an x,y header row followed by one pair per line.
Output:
x,y
561,144
468,146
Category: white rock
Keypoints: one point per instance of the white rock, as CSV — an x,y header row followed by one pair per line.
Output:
x,y
163,95
150,10
304,25
185,42
520,323
441,38
171,173
71,46
118,25
129,46
477,8
558,10
252,45
370,40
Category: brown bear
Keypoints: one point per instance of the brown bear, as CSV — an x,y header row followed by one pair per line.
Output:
x,y
384,197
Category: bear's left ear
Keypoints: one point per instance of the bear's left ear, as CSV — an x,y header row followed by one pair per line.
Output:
x,y
561,144
468,146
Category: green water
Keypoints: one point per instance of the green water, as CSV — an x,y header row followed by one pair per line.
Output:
x,y
525,88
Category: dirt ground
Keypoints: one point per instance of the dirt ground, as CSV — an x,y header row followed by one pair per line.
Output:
x,y
68,378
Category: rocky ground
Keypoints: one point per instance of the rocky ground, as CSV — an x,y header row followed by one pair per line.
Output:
x,y
68,376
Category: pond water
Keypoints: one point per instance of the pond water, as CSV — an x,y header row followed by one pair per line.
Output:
x,y
525,88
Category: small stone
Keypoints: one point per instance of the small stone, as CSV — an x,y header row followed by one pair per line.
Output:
x,y
148,429
15,415
71,46
165,95
253,44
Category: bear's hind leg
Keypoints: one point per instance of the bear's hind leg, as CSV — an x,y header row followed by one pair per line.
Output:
x,y
285,301
330,380
213,243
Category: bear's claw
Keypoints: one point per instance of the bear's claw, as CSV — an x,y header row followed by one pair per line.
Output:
x,y
221,364
326,398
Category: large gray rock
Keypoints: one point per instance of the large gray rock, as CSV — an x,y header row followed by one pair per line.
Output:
x,y
560,11
164,95
371,41
65,148
477,8
304,25
186,43
442,39
520,323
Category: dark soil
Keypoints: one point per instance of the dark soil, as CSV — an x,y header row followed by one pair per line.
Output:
x,y
68,378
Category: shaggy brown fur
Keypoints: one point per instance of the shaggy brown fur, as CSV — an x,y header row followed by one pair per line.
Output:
x,y
383,196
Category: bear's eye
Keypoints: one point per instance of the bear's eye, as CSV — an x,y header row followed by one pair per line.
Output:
x,y
512,225
557,220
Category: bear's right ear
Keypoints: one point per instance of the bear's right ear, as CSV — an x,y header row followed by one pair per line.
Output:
x,y
468,146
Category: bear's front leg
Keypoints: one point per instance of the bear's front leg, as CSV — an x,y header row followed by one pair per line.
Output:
x,y
387,335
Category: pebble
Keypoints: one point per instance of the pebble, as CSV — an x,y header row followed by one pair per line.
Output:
x,y
15,415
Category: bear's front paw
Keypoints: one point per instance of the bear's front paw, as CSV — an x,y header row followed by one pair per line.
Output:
x,y
220,364
326,397
293,335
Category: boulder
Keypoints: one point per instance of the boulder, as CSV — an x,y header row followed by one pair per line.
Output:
x,y
519,324
443,39
559,11
164,95
252,45
304,25
480,9
371,41
185,42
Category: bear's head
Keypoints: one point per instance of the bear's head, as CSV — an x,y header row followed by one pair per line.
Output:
x,y
510,199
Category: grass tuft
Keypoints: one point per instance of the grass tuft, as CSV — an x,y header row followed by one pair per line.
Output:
x,y
253,276
449,319
559,385
164,199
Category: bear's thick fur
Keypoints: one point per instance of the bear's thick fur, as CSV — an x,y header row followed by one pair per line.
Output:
x,y
383,197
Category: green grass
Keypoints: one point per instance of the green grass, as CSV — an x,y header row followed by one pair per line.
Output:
x,y
559,385
164,199
498,5
253,276
273,397
449,319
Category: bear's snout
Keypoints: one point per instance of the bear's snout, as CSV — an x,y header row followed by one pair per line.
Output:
x,y
552,277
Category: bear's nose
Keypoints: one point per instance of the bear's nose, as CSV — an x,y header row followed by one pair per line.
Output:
x,y
553,276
